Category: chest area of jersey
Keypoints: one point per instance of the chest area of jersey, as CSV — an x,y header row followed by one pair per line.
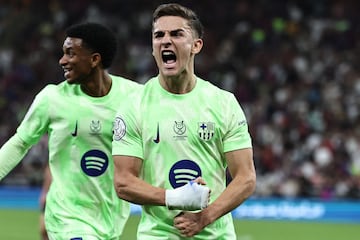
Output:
x,y
84,122
181,125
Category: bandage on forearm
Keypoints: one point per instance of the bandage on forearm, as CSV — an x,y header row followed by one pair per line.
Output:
x,y
191,196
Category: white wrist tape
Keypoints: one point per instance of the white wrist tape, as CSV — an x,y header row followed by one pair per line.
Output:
x,y
191,196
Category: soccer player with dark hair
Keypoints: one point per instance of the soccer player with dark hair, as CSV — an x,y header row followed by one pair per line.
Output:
x,y
180,128
77,115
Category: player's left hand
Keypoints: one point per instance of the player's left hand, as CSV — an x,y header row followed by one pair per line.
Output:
x,y
189,223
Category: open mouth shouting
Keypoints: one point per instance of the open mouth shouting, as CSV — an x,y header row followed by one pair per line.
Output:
x,y
168,58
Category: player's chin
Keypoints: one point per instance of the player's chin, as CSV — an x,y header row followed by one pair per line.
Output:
x,y
71,77
187,235
170,72
70,80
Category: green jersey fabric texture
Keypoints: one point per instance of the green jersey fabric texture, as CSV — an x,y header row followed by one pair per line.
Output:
x,y
180,137
81,198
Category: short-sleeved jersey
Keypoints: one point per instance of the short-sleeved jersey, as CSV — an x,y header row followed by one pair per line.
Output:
x,y
180,137
81,198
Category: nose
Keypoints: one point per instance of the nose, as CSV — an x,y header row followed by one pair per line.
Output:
x,y
62,61
166,39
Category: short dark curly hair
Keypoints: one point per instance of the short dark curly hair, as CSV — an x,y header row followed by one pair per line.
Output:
x,y
96,37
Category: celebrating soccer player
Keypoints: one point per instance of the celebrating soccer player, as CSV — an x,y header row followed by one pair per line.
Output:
x,y
180,131
77,115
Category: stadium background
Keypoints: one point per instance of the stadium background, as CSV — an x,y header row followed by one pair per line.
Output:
x,y
293,66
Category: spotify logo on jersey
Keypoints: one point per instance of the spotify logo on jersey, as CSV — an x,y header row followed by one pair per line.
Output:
x,y
182,172
94,163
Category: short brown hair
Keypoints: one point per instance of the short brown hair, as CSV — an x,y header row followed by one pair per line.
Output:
x,y
174,9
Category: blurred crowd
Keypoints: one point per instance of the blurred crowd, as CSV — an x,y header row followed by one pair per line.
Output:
x,y
293,66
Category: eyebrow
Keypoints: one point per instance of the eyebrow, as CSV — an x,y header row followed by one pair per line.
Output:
x,y
172,32
67,48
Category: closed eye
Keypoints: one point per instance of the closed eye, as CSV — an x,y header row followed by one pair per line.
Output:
x,y
158,34
173,33
176,33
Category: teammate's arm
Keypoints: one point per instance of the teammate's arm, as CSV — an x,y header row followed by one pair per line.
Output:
x,y
11,153
242,170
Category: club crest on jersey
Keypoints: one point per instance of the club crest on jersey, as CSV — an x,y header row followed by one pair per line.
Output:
x,y
95,126
119,129
206,130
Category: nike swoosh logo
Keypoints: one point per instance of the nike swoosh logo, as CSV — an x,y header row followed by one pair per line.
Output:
x,y
74,134
157,139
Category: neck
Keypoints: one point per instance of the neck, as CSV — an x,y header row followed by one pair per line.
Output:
x,y
98,85
178,84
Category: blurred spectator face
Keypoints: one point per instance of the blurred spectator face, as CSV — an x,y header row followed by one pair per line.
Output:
x,y
78,61
174,45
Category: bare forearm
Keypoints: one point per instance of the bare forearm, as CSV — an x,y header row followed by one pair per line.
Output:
x,y
242,169
139,192
234,195
190,223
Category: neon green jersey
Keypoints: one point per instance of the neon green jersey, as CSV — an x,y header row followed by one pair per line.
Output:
x,y
81,199
180,137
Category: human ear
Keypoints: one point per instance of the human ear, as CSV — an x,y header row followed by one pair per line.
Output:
x,y
95,59
197,45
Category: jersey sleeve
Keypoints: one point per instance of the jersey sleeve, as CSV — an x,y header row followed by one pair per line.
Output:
x,y
127,138
36,120
11,153
237,135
